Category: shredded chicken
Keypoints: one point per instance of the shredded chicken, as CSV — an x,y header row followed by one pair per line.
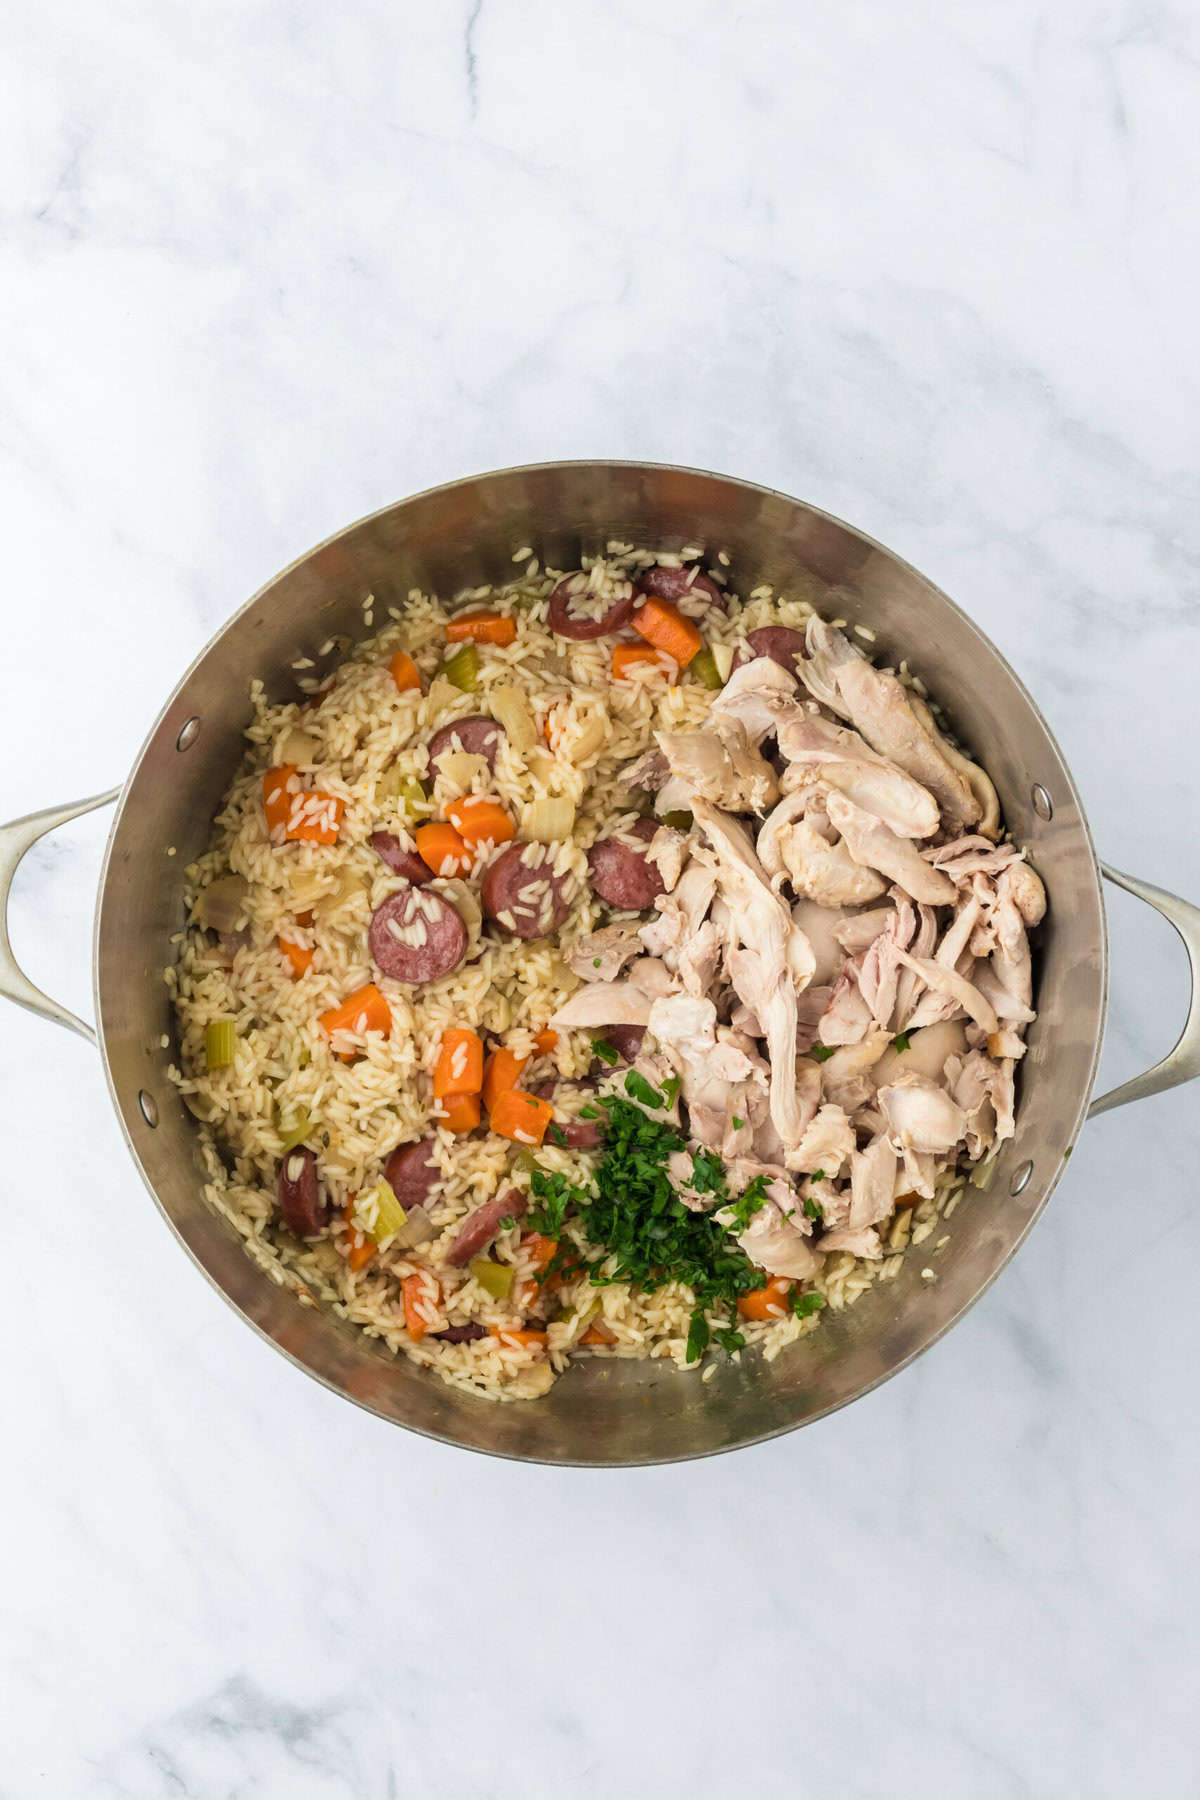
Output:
x,y
722,765
839,973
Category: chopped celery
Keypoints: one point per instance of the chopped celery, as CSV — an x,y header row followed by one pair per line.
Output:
x,y
379,1213
406,791
297,1132
678,821
220,1043
703,666
494,1278
463,668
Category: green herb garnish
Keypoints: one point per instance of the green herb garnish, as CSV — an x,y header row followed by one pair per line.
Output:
x,y
737,1123
902,1041
752,1199
670,1088
608,1053
637,1085
804,1305
814,1209
821,1052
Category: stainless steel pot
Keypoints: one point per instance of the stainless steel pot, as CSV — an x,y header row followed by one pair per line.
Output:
x,y
603,1413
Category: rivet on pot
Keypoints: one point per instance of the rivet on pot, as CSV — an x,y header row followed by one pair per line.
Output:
x,y
188,734
1043,805
148,1107
1021,1178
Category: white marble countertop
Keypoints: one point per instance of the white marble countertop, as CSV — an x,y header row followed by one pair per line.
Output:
x,y
933,268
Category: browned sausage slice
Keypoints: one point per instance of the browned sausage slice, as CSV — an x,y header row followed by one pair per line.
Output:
x,y
401,861
417,935
480,1227
521,891
682,585
626,1040
478,735
780,643
621,874
411,1173
462,1334
575,613
300,1198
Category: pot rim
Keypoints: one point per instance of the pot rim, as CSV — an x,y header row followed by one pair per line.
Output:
x,y
759,1437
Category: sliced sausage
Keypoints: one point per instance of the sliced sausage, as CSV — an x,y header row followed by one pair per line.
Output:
x,y
621,874
300,1198
417,935
414,868
522,892
626,1040
477,735
462,1334
780,643
480,1227
412,1174
574,613
682,585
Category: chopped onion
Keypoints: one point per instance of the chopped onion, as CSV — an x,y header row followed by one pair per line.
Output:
x,y
509,709
722,655
346,884
590,732
417,1229
223,903
466,904
458,768
305,887
548,819
297,746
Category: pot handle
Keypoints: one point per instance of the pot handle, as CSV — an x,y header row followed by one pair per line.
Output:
x,y
15,839
1183,1063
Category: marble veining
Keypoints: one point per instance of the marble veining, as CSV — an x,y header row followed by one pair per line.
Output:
x,y
932,268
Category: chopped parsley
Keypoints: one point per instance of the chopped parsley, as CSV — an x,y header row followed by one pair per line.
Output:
x,y
556,1134
752,1199
670,1088
814,1209
507,1222
595,962
817,1175
804,1305
608,1053
637,1085
902,1042
708,1173
552,1196
737,1123
821,1052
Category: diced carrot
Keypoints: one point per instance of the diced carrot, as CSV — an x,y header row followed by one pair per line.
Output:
x,y
526,1292
459,1067
364,1010
277,796
598,1333
627,657
517,1338
768,1302
298,955
539,1249
521,1117
664,626
316,819
481,628
459,1112
477,820
441,847
359,1247
503,1072
546,1040
404,671
421,1294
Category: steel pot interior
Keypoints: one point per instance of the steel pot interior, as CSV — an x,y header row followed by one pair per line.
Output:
x,y
616,1413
